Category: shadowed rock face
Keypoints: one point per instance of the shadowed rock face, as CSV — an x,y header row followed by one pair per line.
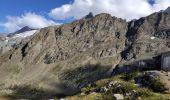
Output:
x,y
42,60
89,16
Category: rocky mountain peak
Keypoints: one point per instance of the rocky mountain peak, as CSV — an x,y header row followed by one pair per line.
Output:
x,y
89,16
167,10
26,28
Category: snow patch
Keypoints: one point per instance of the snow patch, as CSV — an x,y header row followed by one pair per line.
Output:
x,y
24,34
152,38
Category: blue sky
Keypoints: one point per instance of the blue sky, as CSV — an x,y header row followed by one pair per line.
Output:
x,y
151,2
19,7
16,14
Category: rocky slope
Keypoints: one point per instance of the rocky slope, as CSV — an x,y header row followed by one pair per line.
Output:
x,y
2,37
11,40
148,36
54,50
63,59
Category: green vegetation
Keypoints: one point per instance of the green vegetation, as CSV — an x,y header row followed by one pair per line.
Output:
x,y
102,82
56,68
154,84
88,89
129,76
95,96
124,88
144,92
26,92
15,71
123,84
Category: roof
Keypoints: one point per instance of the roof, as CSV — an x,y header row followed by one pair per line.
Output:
x,y
166,53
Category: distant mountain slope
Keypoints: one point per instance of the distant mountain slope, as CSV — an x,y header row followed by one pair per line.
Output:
x,y
8,41
24,34
24,29
2,37
167,10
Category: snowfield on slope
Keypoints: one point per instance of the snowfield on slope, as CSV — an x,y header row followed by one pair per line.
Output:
x,y
25,34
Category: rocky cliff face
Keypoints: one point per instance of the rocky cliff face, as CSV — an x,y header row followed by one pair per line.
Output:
x,y
11,40
62,54
102,36
148,36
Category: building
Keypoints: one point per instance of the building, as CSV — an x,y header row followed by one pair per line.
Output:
x,y
146,65
165,61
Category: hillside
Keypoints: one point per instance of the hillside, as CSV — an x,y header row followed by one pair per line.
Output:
x,y
61,60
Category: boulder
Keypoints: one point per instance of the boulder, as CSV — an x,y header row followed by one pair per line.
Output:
x,y
118,97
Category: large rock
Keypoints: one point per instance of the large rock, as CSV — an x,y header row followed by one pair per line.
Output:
x,y
118,97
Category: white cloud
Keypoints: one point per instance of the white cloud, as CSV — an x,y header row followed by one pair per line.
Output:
x,y
127,9
161,4
32,20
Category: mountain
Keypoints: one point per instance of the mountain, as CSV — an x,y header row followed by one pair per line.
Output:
x,y
148,36
167,10
9,41
89,16
63,59
26,28
52,51
2,37
22,30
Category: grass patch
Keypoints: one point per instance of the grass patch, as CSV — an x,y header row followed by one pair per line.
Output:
x,y
102,82
152,83
95,96
56,68
14,69
124,88
124,85
144,92
129,76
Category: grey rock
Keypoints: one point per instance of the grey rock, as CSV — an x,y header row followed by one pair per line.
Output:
x,y
118,97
